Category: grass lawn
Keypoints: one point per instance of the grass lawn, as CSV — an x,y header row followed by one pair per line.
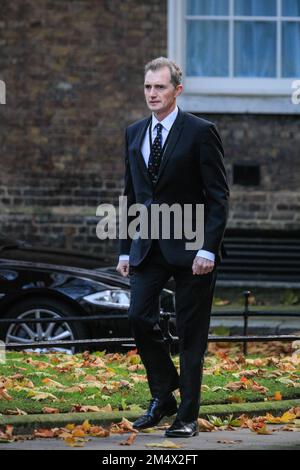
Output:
x,y
30,381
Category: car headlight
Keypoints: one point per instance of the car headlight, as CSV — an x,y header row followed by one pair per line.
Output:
x,y
110,298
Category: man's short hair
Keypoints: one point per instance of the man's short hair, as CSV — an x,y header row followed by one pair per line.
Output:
x,y
160,62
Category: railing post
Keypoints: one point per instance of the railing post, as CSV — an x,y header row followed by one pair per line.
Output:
x,y
245,315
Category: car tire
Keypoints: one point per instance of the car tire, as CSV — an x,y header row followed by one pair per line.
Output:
x,y
44,308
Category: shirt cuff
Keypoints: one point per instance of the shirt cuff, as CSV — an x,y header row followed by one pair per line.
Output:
x,y
206,254
124,258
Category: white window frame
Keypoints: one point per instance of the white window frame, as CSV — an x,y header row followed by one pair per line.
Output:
x,y
229,94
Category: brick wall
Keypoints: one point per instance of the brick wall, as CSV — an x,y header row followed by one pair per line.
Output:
x,y
273,142
73,72
74,77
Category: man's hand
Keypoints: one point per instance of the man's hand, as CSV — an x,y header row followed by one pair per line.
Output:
x,y
123,268
202,265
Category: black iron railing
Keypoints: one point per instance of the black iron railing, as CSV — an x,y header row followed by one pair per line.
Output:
x,y
166,318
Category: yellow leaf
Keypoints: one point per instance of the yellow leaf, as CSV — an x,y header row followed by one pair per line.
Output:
x,y
73,442
39,396
134,359
273,419
221,303
165,445
287,417
86,425
70,427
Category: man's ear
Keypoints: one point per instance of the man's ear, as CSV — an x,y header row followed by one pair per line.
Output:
x,y
179,90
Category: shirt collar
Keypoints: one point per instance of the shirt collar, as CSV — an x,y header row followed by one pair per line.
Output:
x,y
168,122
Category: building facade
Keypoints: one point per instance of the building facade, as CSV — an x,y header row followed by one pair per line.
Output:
x,y
73,72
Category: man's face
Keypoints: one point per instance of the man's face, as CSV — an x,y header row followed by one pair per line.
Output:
x,y
160,93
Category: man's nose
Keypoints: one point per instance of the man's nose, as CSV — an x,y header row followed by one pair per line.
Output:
x,y
152,92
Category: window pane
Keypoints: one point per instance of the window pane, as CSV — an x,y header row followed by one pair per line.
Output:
x,y
255,49
290,49
207,7
255,7
291,8
207,48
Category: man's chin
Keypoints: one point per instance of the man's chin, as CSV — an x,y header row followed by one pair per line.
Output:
x,y
154,107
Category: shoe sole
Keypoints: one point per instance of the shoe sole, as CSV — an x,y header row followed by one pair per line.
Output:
x,y
196,433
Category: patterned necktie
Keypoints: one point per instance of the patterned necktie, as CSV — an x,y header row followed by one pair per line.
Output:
x,y
156,154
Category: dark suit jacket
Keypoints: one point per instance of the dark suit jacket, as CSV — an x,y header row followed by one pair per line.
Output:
x,y
191,172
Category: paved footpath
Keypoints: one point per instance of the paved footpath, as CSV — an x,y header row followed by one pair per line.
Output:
x,y
243,440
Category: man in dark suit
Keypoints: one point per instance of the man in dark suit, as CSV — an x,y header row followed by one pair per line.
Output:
x,y
173,157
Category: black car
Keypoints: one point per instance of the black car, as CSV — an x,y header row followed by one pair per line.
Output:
x,y
37,283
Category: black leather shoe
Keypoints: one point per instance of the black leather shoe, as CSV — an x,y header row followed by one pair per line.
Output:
x,y
182,429
158,409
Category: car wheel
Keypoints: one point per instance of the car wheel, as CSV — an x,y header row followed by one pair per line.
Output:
x,y
50,331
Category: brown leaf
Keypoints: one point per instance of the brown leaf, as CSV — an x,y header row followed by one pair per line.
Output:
x,y
236,399
98,431
130,440
74,389
9,430
44,433
235,386
258,428
295,411
259,388
90,378
205,426
78,432
277,396
4,395
122,427
228,442
16,377
48,410
136,367
85,409
52,383
37,364
16,412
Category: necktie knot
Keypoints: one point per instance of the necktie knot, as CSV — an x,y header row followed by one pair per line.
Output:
x,y
158,128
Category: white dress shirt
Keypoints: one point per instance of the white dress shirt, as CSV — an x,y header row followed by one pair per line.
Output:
x,y
167,123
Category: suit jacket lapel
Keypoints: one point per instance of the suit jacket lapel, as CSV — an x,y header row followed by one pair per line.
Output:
x,y
175,133
172,140
140,138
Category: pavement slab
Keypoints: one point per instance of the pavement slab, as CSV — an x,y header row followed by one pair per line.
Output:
x,y
239,439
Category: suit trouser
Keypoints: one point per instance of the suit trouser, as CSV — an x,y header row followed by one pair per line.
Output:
x,y
193,298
